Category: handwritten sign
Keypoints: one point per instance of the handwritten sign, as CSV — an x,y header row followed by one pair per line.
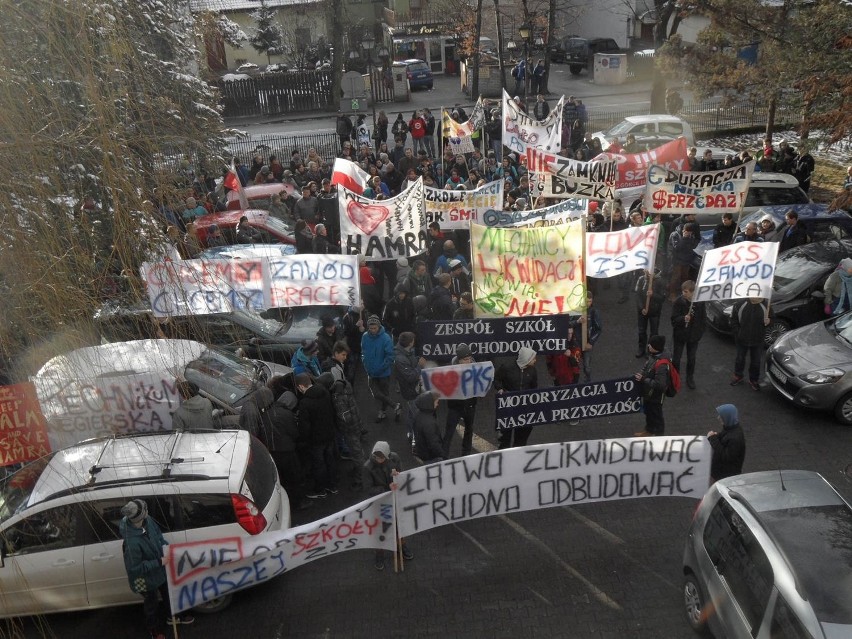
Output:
x,y
460,146
201,571
745,269
561,213
460,381
457,209
493,336
669,191
632,167
452,129
320,280
545,476
617,252
560,177
23,429
527,271
521,132
564,403
383,229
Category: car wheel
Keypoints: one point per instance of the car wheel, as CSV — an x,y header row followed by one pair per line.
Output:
x,y
214,605
693,606
576,69
776,328
429,86
843,410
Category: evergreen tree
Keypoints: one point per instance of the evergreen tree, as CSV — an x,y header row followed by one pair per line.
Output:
x,y
267,37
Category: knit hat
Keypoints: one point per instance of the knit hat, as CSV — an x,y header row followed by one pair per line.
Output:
x,y
463,351
135,510
657,342
402,262
381,447
309,346
525,356
455,264
265,170
374,320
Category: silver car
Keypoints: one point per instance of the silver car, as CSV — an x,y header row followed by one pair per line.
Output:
x,y
769,554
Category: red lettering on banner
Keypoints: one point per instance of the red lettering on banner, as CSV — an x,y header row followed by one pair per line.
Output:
x,y
619,242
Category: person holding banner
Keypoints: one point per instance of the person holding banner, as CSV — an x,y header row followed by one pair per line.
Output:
x,y
749,319
460,410
380,474
655,378
728,446
520,376
649,307
688,322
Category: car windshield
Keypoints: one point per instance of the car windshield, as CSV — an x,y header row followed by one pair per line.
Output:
x,y
418,66
225,377
262,326
620,129
16,488
796,269
276,225
843,326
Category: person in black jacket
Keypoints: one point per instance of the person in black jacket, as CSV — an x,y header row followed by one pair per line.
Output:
x,y
794,235
441,305
317,420
723,234
428,445
463,410
689,319
654,378
282,439
521,375
380,474
749,319
728,446
682,245
398,316
650,295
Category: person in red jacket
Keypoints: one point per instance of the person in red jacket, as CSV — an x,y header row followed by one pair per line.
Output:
x,y
565,367
417,128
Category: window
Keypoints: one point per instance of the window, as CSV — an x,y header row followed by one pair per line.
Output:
x,y
261,474
758,196
48,530
785,624
102,517
671,128
740,560
200,511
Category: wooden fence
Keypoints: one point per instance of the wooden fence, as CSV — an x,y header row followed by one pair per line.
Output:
x,y
277,93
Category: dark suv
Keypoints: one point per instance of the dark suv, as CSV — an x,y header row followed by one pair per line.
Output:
x,y
579,53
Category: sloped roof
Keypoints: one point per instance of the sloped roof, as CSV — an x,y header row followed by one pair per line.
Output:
x,y
218,6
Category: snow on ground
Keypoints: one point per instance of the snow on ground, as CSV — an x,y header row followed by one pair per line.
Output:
x,y
839,153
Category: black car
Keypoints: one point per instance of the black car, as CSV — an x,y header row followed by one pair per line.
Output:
x,y
797,297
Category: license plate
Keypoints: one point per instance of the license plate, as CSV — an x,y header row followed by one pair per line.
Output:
x,y
781,377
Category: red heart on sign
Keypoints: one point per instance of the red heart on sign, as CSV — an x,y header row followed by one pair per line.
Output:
x,y
446,382
366,216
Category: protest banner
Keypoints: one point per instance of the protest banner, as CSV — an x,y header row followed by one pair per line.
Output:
x,y
745,269
517,409
669,191
456,209
561,213
348,174
549,475
559,177
23,428
632,167
459,381
521,131
82,408
617,252
460,146
452,129
385,229
320,280
493,336
201,287
201,571
527,271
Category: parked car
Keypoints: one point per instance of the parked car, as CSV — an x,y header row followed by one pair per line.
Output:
x,y
812,366
263,337
419,74
767,555
259,196
797,297
60,515
579,53
247,251
272,230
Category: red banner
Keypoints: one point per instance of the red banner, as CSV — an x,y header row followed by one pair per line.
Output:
x,y
633,166
23,429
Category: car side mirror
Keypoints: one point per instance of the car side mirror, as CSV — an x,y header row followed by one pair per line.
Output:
x,y
818,295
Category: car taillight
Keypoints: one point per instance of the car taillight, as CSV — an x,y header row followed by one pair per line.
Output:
x,y
409,74
248,515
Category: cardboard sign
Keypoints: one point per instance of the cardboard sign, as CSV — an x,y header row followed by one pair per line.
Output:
x,y
545,476
669,191
560,177
527,271
384,229
460,381
493,336
516,409
23,428
457,209
460,146
520,131
560,213
617,252
319,280
745,269
201,571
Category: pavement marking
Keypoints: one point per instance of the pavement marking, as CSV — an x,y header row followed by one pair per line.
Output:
x,y
472,540
540,596
479,445
599,594
603,532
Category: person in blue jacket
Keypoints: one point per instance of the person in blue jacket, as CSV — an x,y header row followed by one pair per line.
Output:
x,y
145,563
377,354
305,358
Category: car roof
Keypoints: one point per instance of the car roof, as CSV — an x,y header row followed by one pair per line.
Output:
x,y
149,457
247,251
658,117
805,211
782,489
261,191
229,218
763,178
413,61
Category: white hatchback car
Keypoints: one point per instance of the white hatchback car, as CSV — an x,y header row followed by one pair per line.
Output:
x,y
60,549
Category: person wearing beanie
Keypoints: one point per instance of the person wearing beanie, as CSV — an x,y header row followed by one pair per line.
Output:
x,y
460,411
728,446
460,282
402,269
398,315
654,378
305,358
838,288
145,562
519,375
377,355
380,473
327,336
407,367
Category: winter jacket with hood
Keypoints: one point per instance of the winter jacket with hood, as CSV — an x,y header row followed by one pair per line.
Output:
x,y
195,413
316,415
378,477
728,446
747,322
143,555
282,434
398,316
343,398
254,415
326,342
377,353
305,364
655,379
441,304
407,371
419,284
427,435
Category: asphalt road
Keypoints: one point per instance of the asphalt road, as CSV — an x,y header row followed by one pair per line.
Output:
x,y
599,570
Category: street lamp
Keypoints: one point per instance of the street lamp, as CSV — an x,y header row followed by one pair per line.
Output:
x,y
524,31
368,44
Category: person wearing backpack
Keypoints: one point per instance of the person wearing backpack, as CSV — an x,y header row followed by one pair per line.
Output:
x,y
656,379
